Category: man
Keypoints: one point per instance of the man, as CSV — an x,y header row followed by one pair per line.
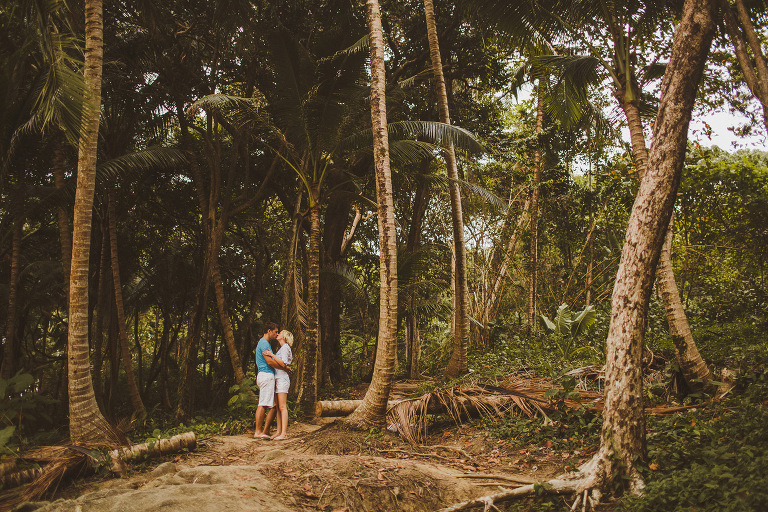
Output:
x,y
265,378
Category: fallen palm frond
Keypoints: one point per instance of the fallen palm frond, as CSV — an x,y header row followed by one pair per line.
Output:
x,y
409,417
538,388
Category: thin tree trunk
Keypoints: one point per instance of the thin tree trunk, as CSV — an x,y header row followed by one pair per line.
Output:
x,y
534,215
8,368
754,67
133,388
97,321
374,406
458,363
226,323
86,423
623,433
62,218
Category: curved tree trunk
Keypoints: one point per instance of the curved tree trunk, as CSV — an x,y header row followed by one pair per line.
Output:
x,y
623,432
695,371
754,66
86,423
226,323
458,363
374,406
308,391
133,388
534,216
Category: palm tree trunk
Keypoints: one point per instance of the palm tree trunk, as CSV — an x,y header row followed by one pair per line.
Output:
x,y
458,363
86,423
133,388
695,372
308,391
534,215
623,432
62,217
8,368
371,412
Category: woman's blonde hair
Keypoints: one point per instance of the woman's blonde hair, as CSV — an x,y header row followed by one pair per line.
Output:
x,y
288,337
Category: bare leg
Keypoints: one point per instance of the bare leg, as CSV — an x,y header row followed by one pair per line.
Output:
x,y
258,432
268,421
282,414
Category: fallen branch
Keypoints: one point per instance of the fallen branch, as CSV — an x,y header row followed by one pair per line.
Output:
x,y
158,448
417,454
330,408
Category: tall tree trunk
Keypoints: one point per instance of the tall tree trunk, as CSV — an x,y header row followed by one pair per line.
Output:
x,y
371,412
61,216
8,368
412,337
754,67
86,423
226,323
458,363
125,351
695,371
534,215
308,391
336,218
623,433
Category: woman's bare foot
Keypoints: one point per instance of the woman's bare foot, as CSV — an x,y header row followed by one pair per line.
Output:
x,y
279,438
261,436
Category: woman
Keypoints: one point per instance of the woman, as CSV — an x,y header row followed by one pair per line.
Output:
x,y
282,383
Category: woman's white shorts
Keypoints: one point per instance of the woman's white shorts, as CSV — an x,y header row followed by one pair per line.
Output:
x,y
282,384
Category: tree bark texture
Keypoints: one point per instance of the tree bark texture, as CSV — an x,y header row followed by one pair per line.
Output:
x,y
133,388
86,423
458,363
61,216
308,391
623,432
372,411
695,371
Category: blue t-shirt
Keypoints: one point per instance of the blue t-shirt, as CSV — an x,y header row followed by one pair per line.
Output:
x,y
261,363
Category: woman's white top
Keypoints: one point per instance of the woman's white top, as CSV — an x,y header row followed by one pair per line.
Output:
x,y
285,354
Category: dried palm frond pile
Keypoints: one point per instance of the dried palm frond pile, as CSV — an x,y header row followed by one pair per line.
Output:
x,y
410,417
515,395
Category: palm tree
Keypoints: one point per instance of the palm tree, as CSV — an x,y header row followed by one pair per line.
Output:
x,y
458,363
371,411
86,423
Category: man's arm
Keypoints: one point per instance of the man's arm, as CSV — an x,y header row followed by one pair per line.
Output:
x,y
275,362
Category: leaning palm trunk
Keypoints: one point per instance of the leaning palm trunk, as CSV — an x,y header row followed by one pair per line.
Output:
x,y
133,389
372,411
86,423
226,322
695,371
62,217
458,362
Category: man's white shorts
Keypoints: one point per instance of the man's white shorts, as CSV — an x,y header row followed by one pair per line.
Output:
x,y
282,384
266,382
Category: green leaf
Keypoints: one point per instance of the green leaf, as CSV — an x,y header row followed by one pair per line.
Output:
x,y
5,435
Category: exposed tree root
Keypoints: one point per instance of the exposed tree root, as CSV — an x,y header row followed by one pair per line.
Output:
x,y
586,484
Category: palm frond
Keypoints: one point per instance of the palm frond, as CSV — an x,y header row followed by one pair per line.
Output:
x,y
359,46
151,159
491,199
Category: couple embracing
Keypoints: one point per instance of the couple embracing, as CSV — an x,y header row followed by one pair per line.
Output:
x,y
273,381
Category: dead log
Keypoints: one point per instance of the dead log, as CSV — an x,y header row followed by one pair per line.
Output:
x,y
330,408
17,478
157,448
